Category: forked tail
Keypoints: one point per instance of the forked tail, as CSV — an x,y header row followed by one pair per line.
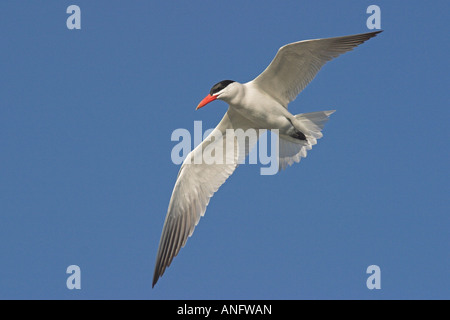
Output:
x,y
290,152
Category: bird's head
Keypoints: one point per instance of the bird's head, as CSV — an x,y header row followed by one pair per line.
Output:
x,y
222,90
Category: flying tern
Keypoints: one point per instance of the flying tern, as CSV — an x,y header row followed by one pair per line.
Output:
x,y
261,104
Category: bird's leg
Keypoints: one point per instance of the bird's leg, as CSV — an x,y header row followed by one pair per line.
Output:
x,y
298,135
295,133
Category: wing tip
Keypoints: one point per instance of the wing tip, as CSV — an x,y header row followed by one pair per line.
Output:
x,y
159,271
363,37
374,33
360,38
156,276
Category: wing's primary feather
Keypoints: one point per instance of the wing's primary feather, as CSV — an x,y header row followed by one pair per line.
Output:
x,y
296,64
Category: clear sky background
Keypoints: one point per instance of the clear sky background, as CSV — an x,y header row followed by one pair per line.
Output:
x,y
86,176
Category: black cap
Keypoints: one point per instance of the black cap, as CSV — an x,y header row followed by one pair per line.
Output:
x,y
220,86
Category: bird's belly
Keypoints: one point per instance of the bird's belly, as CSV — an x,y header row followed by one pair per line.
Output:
x,y
266,117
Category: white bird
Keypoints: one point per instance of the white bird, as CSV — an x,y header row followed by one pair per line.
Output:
x,y
259,104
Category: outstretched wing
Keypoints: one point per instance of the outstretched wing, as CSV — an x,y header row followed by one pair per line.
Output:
x,y
296,64
203,171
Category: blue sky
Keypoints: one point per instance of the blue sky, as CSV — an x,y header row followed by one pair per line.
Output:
x,y
86,176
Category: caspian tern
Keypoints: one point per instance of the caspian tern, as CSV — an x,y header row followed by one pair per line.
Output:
x,y
260,104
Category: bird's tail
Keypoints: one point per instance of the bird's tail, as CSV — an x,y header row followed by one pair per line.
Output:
x,y
290,152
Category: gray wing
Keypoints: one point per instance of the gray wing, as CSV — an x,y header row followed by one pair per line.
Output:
x,y
296,64
196,183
